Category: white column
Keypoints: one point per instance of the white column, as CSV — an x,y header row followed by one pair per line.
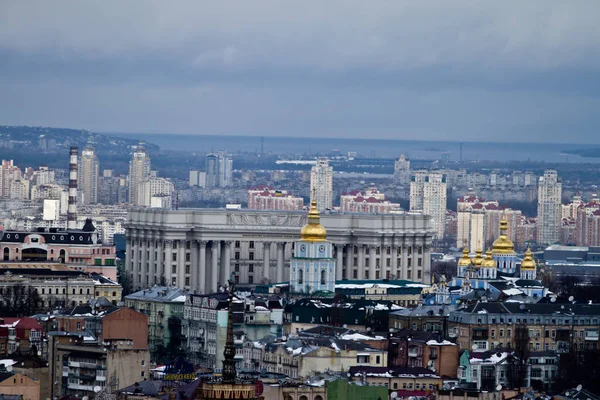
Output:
x,y
136,260
181,264
151,260
339,264
405,259
144,249
194,267
361,261
426,262
168,264
214,273
349,261
280,260
266,260
226,262
202,268
394,254
372,257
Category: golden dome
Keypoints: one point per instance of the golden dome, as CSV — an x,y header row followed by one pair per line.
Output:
x,y
488,262
478,259
313,231
528,262
465,260
503,245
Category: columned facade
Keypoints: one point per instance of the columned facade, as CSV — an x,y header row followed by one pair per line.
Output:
x,y
198,249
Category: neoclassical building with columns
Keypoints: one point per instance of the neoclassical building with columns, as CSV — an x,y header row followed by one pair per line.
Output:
x,y
198,249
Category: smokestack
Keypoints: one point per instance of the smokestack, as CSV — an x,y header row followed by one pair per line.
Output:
x,y
72,210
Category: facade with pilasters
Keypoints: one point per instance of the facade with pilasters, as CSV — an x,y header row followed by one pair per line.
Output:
x,y
198,249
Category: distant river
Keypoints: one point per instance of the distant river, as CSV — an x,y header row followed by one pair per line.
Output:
x,y
475,151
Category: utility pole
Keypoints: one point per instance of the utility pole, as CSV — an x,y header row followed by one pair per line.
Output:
x,y
461,148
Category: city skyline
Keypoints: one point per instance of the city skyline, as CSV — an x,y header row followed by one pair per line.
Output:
x,y
466,71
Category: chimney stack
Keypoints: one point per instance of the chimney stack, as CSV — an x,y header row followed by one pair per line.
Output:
x,y
72,210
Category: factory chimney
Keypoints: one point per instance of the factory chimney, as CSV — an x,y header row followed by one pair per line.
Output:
x,y
72,210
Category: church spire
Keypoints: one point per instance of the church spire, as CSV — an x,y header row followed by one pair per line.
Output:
x,y
229,370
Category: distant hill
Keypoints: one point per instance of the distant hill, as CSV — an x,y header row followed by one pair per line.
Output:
x,y
58,140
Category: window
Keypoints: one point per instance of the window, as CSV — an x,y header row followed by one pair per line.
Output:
x,y
174,269
250,279
188,257
323,277
187,269
250,268
300,276
250,256
237,267
187,281
501,332
237,243
251,244
508,332
174,257
236,255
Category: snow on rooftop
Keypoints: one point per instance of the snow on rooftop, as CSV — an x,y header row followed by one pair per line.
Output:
x,y
512,292
7,362
179,299
442,343
359,336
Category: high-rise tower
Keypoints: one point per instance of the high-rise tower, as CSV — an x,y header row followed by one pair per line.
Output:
x,y
218,170
139,172
72,210
321,184
549,208
88,176
428,194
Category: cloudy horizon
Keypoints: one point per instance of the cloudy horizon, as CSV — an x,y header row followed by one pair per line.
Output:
x,y
435,70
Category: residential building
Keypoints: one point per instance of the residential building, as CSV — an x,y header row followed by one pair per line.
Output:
x,y
197,178
321,184
204,325
19,189
9,173
408,348
401,292
428,195
369,201
402,170
266,198
164,308
551,326
587,231
219,167
139,172
196,249
301,357
415,379
89,173
99,345
543,369
549,208
21,386
153,188
23,335
312,268
428,318
485,370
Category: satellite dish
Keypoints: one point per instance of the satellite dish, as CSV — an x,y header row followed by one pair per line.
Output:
x,y
562,307
553,299
9,368
344,326
393,395
571,298
579,387
474,347
97,389
84,398
522,306
499,387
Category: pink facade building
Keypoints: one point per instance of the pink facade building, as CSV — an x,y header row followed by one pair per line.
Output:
x,y
266,198
369,201
587,232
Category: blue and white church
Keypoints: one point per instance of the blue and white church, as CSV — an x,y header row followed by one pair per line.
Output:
x,y
313,264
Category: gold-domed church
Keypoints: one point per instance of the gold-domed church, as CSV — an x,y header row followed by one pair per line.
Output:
x,y
497,271
312,268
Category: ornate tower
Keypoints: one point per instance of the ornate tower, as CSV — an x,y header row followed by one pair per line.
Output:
x,y
528,267
313,265
503,251
488,266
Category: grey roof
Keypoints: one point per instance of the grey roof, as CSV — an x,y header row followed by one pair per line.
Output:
x,y
426,310
159,294
147,388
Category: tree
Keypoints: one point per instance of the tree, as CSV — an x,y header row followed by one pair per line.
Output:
x,y
517,371
124,278
19,300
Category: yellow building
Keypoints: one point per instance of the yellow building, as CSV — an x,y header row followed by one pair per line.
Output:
x,y
16,384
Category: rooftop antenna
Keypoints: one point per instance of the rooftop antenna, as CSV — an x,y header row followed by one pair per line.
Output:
x,y
461,148
262,145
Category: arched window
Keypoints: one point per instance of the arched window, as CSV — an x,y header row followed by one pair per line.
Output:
x,y
63,255
323,276
6,254
300,276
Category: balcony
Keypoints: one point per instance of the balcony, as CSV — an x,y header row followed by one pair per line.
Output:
x,y
75,386
480,334
591,336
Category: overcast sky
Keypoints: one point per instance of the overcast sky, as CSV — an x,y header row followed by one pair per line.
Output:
x,y
456,70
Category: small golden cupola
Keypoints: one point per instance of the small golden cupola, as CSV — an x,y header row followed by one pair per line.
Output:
x,y
465,260
478,259
488,262
503,245
313,231
528,262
